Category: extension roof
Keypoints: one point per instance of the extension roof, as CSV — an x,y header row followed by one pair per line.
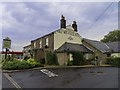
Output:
x,y
70,47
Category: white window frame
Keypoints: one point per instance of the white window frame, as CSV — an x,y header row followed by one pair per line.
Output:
x,y
40,43
47,41
34,44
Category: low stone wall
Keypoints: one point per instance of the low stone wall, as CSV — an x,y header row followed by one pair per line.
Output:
x,y
62,58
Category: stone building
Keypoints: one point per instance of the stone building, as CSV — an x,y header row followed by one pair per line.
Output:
x,y
54,40
27,52
103,50
64,52
67,39
115,47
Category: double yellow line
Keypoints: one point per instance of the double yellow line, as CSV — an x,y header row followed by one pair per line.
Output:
x,y
12,81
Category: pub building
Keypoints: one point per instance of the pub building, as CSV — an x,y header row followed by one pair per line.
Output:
x,y
66,39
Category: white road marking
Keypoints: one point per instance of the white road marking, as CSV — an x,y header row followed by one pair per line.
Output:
x,y
12,81
49,73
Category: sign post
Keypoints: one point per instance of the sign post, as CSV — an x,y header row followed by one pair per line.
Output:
x,y
6,45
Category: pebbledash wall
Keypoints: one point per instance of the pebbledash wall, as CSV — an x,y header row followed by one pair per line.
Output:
x,y
115,55
66,35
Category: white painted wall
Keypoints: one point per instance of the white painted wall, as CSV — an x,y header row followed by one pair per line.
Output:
x,y
115,54
71,57
66,35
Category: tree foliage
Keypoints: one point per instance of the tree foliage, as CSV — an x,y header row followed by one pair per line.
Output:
x,y
112,36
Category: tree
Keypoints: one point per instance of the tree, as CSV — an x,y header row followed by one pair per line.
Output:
x,y
112,36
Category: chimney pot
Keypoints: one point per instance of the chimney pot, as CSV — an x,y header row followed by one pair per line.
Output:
x,y
74,25
63,22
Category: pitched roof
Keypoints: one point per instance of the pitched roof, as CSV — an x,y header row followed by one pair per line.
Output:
x,y
115,46
72,47
98,45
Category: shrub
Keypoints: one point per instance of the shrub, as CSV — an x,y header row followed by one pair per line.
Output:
x,y
16,64
69,63
78,58
42,61
23,65
51,58
20,64
32,62
9,65
113,61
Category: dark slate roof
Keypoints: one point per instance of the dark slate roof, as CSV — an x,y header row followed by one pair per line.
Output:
x,y
98,45
73,47
115,46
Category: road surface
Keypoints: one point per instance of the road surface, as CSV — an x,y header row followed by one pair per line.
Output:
x,y
95,77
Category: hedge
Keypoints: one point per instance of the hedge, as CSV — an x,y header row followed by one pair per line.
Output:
x,y
78,58
51,58
113,61
20,64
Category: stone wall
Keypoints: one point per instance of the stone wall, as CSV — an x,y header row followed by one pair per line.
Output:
x,y
38,53
101,56
62,58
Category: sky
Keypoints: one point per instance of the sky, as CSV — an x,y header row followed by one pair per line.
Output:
x,y
26,21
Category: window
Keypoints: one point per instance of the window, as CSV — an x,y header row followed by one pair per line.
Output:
x,y
40,44
34,45
108,55
46,41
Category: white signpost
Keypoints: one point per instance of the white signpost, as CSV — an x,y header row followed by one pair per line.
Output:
x,y
6,45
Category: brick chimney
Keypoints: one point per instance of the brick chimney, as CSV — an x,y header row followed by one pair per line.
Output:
x,y
74,25
63,22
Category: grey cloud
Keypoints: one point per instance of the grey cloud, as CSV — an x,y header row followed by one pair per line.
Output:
x,y
28,21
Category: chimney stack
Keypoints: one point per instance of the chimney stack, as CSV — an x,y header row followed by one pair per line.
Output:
x,y
74,25
63,22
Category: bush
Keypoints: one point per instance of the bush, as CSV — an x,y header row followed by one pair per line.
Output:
x,y
16,64
78,58
113,61
69,63
32,62
20,64
42,61
51,58
23,65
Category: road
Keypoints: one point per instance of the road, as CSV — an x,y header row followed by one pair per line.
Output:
x,y
99,77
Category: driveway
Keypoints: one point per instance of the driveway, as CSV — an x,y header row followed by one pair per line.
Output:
x,y
95,77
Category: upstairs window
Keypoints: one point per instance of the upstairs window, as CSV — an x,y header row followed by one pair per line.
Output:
x,y
34,45
40,44
108,55
46,41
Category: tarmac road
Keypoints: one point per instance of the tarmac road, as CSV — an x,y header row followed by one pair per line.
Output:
x,y
95,77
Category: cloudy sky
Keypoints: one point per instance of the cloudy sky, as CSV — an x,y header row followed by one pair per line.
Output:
x,y
26,21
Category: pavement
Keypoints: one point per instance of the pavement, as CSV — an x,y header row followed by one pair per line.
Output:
x,y
97,77
50,66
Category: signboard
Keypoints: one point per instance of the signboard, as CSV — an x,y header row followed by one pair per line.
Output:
x,y
6,43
